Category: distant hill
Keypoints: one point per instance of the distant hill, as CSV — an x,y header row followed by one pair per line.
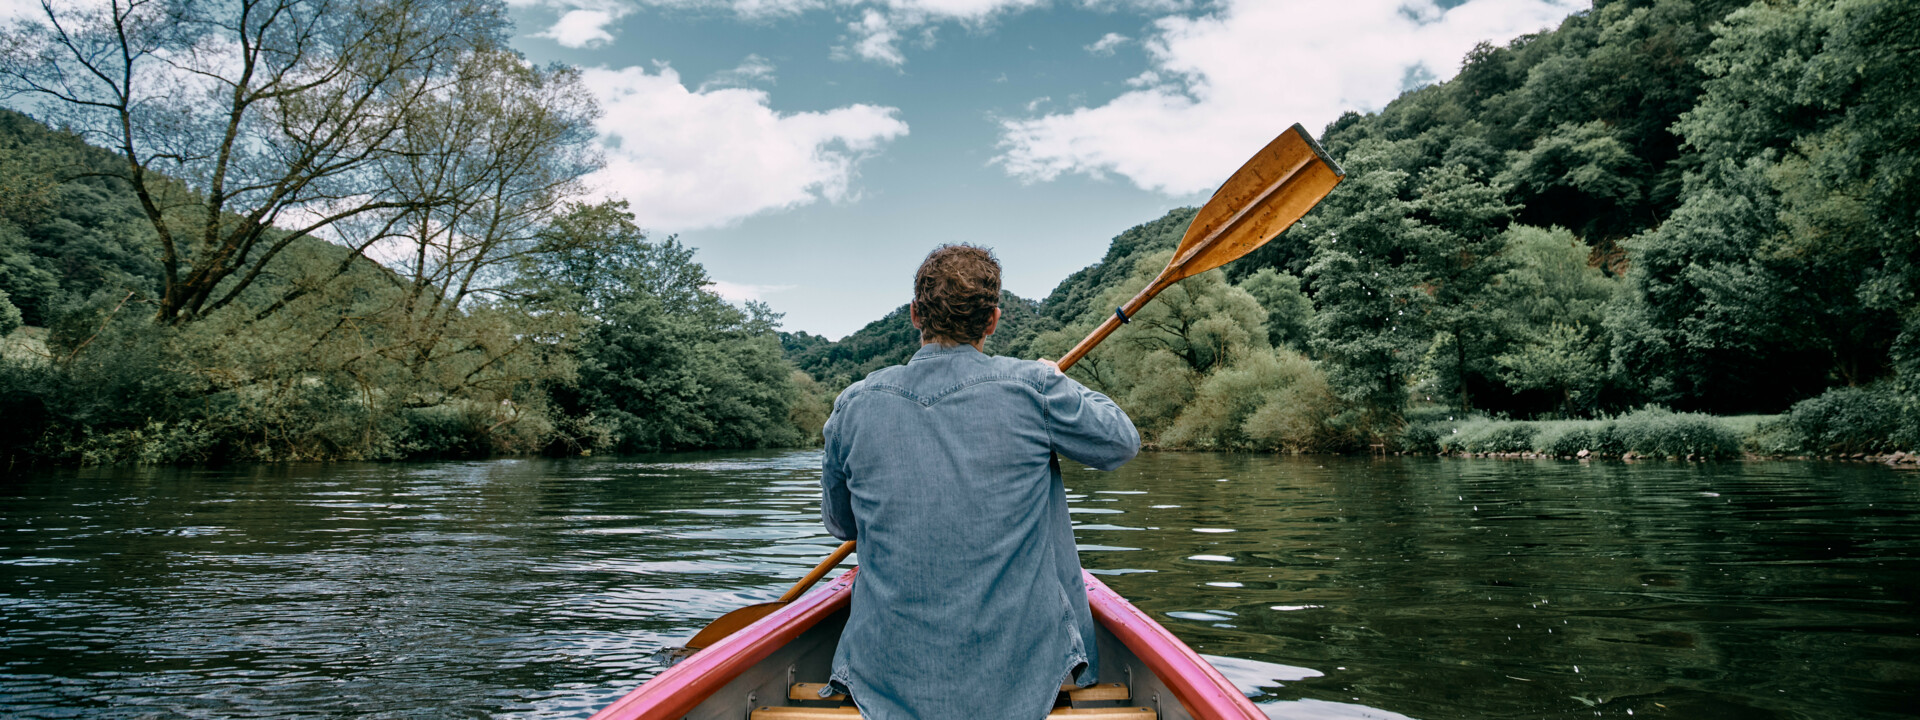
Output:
x,y
1073,293
891,340
71,233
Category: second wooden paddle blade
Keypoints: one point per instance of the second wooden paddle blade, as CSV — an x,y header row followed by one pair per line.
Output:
x,y
1263,198
731,623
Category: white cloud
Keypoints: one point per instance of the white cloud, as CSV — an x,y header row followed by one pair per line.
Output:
x,y
751,71
960,9
1106,44
874,39
742,292
582,28
1138,5
690,159
1221,85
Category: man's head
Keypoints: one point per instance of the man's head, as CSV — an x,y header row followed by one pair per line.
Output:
x,y
956,295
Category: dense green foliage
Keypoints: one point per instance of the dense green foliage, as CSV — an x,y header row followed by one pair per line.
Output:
x,y
1871,419
1707,206
595,339
664,363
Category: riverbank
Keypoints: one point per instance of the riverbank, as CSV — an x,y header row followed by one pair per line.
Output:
x,y
1868,428
1895,459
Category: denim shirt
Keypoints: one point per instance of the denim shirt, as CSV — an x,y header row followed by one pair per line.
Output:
x,y
969,602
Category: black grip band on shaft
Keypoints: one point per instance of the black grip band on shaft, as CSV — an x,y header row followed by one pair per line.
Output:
x,y
1121,313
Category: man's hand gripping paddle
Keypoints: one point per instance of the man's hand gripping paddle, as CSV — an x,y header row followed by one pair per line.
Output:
x,y
1264,197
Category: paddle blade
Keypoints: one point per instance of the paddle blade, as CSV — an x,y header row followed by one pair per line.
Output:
x,y
1264,197
731,623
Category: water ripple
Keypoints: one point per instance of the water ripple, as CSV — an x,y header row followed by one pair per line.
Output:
x,y
1324,588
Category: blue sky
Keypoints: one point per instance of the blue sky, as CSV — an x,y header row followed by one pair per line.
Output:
x,y
815,150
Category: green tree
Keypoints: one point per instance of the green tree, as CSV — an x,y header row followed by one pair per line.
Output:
x,y
1564,359
664,362
9,315
1152,365
1367,327
1554,305
1710,323
1289,311
1581,176
1457,254
1550,278
1269,400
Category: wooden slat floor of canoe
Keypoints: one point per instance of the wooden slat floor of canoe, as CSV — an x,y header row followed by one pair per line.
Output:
x,y
843,713
1095,693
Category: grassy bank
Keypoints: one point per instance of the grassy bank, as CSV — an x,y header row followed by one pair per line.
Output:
x,y
1855,426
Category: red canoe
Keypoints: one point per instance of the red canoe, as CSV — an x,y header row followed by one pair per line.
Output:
x,y
771,670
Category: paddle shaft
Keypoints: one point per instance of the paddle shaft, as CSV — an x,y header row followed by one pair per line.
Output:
x,y
819,571
1113,322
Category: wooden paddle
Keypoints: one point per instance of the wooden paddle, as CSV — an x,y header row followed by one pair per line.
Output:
x,y
731,622
1264,197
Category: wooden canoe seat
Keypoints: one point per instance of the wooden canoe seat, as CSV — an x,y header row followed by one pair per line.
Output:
x,y
1096,693
843,713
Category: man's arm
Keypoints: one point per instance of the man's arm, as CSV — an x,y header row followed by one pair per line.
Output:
x,y
1086,425
836,501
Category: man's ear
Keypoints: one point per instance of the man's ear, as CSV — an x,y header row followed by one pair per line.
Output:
x,y
993,324
913,315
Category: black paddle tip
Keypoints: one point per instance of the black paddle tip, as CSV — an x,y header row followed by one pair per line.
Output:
x,y
1320,151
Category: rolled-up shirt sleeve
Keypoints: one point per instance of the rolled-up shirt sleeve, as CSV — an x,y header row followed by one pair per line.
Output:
x,y
836,501
1088,427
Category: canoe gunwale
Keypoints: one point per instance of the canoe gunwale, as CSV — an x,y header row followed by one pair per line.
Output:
x,y
1200,689
674,693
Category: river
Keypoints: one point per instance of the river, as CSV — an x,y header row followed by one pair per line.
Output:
x,y
1330,588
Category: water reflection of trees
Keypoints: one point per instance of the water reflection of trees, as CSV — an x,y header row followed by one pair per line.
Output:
x,y
1448,587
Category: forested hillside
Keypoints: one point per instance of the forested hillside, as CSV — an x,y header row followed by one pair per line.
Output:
x,y
364,238
891,340
1703,206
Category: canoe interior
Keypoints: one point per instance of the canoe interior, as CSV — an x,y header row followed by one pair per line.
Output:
x,y
809,659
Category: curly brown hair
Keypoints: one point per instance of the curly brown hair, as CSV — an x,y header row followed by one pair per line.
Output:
x,y
955,293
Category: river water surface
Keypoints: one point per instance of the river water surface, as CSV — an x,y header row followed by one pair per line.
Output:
x,y
1327,587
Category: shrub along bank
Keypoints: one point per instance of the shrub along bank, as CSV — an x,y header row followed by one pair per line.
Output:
x,y
1845,423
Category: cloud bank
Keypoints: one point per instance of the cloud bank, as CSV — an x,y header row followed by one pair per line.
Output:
x,y
1222,84
689,159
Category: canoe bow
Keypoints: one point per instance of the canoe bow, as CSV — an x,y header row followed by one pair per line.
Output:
x,y
1199,687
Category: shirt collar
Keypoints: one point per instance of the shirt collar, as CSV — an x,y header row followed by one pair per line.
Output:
x,y
935,349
